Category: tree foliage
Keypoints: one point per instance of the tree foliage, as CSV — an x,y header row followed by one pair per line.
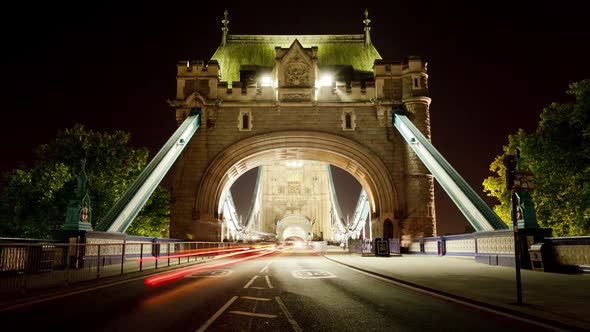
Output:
x,y
558,155
33,202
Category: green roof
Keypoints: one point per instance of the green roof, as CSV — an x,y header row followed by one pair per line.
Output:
x,y
333,50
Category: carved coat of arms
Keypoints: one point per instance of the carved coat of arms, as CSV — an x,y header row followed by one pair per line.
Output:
x,y
297,73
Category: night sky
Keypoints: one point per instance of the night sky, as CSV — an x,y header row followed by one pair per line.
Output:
x,y
493,67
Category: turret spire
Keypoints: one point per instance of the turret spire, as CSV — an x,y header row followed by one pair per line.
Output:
x,y
225,29
367,21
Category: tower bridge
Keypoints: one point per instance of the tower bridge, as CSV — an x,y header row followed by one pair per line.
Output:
x,y
273,101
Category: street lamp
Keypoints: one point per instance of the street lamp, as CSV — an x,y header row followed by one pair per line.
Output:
x,y
517,180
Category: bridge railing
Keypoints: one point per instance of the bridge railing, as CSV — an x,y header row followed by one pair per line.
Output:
x,y
29,266
367,247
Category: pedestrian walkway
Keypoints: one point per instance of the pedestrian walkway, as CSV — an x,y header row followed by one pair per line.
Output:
x,y
547,297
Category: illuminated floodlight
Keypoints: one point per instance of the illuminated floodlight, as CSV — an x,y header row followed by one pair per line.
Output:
x,y
266,80
325,80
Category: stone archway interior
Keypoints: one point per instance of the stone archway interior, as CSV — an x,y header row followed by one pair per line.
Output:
x,y
294,226
387,229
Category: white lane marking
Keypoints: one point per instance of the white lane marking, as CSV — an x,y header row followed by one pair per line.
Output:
x,y
292,321
250,282
448,298
216,315
253,314
255,298
212,273
268,282
312,274
256,287
265,268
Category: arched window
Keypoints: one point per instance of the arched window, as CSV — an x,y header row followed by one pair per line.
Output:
x,y
416,82
245,121
348,119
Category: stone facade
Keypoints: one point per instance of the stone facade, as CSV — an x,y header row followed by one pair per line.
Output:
x,y
296,188
293,113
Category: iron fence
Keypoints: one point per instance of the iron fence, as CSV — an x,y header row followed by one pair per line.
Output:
x,y
367,247
27,266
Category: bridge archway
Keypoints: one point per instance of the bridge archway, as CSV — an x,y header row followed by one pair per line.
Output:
x,y
258,150
294,226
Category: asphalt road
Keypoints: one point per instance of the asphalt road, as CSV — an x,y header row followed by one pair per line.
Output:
x,y
292,290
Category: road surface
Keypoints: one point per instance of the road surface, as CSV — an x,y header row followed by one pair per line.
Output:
x,y
290,290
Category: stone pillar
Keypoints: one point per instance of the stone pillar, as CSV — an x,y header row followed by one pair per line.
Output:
x,y
419,215
188,222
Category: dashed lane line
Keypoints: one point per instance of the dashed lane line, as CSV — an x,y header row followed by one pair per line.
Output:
x,y
250,282
216,315
255,298
253,314
268,282
292,321
265,268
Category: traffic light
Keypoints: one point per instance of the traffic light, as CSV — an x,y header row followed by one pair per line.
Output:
x,y
510,163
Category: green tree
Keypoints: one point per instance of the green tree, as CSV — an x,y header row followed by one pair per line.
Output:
x,y
33,201
495,186
558,155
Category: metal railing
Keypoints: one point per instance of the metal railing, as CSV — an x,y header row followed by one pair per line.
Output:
x,y
28,266
367,247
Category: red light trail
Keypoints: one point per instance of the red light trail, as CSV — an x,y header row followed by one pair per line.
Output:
x,y
197,252
155,280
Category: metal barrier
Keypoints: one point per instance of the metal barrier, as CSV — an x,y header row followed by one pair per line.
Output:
x,y
366,247
26,266
319,246
394,246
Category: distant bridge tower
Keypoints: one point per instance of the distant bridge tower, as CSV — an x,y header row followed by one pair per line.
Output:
x,y
268,99
296,190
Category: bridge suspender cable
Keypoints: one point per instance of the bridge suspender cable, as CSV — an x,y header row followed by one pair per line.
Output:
x,y
128,206
477,212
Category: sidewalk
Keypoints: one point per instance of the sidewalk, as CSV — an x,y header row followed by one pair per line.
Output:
x,y
548,297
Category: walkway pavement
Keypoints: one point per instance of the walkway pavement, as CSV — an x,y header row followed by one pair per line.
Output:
x,y
558,299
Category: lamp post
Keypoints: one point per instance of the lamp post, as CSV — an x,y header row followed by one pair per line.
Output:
x,y
514,201
510,162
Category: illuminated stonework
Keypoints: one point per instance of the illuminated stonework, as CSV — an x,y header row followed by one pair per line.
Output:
x,y
296,188
323,98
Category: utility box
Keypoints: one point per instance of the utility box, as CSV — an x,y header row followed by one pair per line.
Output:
x,y
381,247
536,257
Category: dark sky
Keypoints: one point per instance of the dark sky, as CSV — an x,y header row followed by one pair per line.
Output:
x,y
493,66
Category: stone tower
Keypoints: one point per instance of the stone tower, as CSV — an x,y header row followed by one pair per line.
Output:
x,y
296,188
324,98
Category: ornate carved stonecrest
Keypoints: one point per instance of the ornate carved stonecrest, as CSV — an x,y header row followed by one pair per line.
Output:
x,y
79,213
296,73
